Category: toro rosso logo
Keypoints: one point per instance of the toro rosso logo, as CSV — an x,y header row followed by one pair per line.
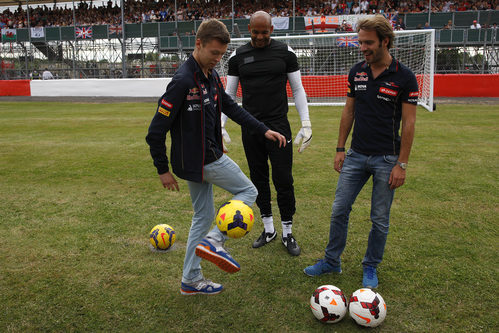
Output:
x,y
391,84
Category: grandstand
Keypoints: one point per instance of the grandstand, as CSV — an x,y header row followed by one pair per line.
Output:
x,y
156,49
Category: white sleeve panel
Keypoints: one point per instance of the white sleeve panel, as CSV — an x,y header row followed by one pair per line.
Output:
x,y
231,88
299,95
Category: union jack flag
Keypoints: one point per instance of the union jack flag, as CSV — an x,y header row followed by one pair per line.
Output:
x,y
347,41
392,18
84,32
114,29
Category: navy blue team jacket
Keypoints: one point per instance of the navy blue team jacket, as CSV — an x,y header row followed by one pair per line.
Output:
x,y
182,111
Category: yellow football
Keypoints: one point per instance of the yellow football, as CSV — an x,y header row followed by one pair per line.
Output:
x,y
235,218
162,237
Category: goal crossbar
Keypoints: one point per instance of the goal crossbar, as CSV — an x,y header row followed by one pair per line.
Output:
x,y
325,60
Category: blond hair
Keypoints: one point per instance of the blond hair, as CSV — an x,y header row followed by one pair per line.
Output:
x,y
379,24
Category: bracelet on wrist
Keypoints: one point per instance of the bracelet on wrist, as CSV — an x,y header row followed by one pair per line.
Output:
x,y
340,149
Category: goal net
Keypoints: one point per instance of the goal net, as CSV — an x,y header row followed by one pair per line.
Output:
x,y
326,59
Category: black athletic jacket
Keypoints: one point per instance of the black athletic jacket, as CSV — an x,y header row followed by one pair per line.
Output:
x,y
183,110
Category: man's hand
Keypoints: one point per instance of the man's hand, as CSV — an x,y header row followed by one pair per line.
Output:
x,y
168,181
304,136
275,136
397,177
338,161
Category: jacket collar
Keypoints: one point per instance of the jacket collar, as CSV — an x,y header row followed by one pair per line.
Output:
x,y
196,68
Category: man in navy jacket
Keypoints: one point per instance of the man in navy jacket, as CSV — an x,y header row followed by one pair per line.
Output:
x,y
190,109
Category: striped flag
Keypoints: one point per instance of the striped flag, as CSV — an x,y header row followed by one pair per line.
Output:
x,y
347,41
84,32
114,30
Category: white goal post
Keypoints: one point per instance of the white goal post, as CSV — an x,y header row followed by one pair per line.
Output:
x,y
325,60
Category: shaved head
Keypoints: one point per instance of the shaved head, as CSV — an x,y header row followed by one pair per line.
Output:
x,y
260,28
260,16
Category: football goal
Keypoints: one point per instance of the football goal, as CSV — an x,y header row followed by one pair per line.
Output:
x,y
325,60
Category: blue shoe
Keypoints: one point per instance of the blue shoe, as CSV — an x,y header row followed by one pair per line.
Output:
x,y
201,287
213,251
321,267
370,279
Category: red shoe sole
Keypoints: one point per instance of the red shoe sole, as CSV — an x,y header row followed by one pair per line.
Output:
x,y
205,253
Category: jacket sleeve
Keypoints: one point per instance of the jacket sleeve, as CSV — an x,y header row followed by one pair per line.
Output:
x,y
169,106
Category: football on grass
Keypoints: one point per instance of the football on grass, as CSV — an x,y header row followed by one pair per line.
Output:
x,y
235,218
162,237
367,307
328,304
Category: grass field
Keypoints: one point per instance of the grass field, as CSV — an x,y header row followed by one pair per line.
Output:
x,y
79,194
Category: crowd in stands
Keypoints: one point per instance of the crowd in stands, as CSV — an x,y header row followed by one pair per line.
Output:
x,y
86,13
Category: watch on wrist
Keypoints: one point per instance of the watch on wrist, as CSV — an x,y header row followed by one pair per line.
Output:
x,y
402,165
340,149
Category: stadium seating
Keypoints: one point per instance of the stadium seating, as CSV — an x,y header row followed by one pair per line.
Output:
x,y
167,32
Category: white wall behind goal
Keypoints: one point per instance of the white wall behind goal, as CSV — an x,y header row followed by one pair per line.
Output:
x,y
100,87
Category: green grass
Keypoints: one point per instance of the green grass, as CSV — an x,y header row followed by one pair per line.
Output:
x,y
79,195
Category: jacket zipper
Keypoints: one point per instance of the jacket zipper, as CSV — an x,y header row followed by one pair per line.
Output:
x,y
202,125
219,107
182,142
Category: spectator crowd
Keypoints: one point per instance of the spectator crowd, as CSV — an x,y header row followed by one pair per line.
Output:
x,y
86,13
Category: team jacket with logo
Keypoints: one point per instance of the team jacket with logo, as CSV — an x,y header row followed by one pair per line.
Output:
x,y
378,106
192,104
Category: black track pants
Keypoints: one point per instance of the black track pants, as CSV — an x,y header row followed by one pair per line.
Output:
x,y
259,151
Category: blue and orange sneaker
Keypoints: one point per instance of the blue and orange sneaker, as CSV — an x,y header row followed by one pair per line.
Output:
x,y
214,251
204,286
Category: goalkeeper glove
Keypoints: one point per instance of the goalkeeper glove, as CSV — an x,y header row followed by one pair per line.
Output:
x,y
226,139
304,135
225,135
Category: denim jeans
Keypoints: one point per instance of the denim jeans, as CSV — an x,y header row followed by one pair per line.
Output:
x,y
226,174
357,169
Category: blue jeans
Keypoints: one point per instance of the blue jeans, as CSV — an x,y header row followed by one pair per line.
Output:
x,y
226,174
357,169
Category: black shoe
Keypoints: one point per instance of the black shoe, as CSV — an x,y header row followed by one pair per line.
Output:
x,y
264,239
290,244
